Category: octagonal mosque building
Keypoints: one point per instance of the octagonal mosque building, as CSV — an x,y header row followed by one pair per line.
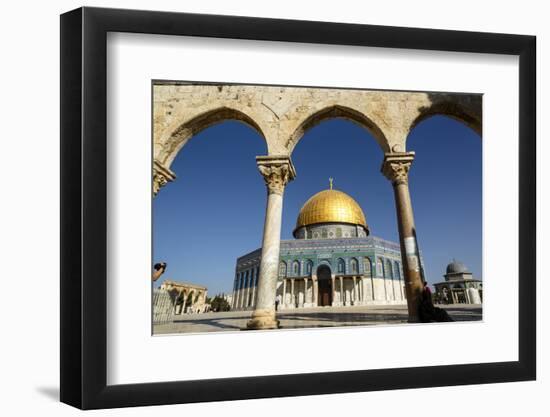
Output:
x,y
333,261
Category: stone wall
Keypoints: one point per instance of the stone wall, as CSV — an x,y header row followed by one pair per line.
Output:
x,y
163,306
281,115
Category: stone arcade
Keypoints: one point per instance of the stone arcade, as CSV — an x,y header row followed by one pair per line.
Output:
x,y
281,115
332,262
188,298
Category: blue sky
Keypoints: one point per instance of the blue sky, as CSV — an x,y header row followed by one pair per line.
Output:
x,y
214,211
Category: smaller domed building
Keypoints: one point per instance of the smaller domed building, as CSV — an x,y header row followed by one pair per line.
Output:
x,y
333,261
459,287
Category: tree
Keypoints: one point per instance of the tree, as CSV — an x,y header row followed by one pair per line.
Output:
x,y
219,303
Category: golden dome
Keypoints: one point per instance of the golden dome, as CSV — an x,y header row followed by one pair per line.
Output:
x,y
331,206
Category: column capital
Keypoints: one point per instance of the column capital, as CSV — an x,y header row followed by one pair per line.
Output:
x,y
277,171
396,166
161,176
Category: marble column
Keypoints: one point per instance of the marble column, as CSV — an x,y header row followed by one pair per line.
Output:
x,y
238,292
246,295
305,291
315,291
283,301
342,295
292,299
333,289
252,301
233,299
396,168
363,292
355,292
277,172
192,301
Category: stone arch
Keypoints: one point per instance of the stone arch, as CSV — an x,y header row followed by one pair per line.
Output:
x,y
332,112
181,131
325,262
466,109
324,271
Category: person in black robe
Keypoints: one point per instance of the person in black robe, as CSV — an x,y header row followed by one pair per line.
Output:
x,y
427,312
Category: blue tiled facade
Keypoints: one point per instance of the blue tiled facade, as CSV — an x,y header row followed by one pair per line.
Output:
x,y
373,261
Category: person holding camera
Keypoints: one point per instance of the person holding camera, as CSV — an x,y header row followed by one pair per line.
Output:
x,y
158,270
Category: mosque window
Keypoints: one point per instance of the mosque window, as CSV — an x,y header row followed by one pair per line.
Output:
x,y
341,266
309,267
367,266
397,271
296,268
338,232
282,269
380,268
354,266
389,269
324,233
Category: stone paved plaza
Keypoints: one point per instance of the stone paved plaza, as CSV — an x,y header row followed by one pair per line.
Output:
x,y
310,317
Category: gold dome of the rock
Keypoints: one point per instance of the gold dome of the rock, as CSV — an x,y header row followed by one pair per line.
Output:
x,y
331,206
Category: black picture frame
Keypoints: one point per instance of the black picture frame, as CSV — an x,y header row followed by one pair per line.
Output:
x,y
84,207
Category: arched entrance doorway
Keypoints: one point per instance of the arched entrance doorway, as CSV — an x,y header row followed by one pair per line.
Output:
x,y
324,278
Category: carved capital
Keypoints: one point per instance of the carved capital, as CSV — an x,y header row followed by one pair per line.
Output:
x,y
161,176
277,171
396,167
